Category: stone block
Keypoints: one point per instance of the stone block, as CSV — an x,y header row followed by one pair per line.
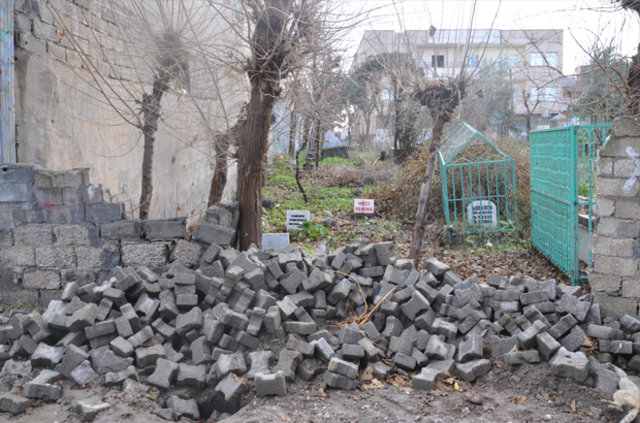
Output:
x,y
83,373
121,230
615,266
164,374
574,365
41,388
184,407
101,212
14,404
210,233
472,370
335,380
153,255
17,256
547,345
270,384
42,279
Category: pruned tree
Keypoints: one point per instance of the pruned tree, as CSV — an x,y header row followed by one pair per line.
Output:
x,y
168,50
280,33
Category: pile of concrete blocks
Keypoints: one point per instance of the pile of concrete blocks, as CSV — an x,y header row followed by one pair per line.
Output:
x,y
242,322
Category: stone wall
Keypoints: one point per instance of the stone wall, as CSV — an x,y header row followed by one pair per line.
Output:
x,y
63,120
56,228
615,277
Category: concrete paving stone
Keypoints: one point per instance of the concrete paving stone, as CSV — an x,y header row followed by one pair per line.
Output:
x,y
472,370
300,328
527,338
499,346
14,404
630,324
164,374
574,365
534,297
140,337
270,384
303,316
200,351
123,327
121,347
191,375
415,306
547,345
83,373
46,355
470,348
563,326
575,339
231,388
100,329
104,360
520,357
352,352
234,319
288,363
116,378
72,338
323,349
165,330
41,386
405,362
35,324
616,346
255,321
88,410
339,292
571,304
295,344
442,327
184,407
230,363
147,356
73,356
335,380
436,267
437,348
191,320
259,363
600,331
82,318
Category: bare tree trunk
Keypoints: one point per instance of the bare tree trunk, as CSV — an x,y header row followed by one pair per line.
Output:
x,y
293,127
319,135
425,189
151,114
252,147
311,153
220,173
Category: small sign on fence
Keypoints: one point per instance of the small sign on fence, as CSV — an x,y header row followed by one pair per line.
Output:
x,y
361,205
483,212
295,219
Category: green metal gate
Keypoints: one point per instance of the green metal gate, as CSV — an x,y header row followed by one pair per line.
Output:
x,y
562,181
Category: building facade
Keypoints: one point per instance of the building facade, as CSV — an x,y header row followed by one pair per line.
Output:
x,y
530,61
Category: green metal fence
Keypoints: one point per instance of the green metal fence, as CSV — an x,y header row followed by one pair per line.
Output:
x,y
562,182
478,184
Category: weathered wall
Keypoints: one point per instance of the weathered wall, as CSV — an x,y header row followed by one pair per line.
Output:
x,y
615,278
63,121
56,228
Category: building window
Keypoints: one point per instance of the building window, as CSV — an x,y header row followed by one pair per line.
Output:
x,y
385,96
502,61
536,94
437,61
548,59
513,60
472,61
536,59
551,93
516,95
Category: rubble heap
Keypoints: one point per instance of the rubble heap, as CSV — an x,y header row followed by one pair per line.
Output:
x,y
207,336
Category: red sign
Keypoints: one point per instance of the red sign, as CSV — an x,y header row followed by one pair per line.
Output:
x,y
361,205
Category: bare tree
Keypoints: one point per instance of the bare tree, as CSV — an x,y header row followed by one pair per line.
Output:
x,y
280,34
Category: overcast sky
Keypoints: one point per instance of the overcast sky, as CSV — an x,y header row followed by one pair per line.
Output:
x,y
584,20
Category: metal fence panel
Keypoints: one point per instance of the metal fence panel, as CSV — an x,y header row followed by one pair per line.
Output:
x,y
554,197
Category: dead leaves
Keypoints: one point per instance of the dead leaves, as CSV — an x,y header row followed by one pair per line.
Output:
x,y
400,383
375,384
517,399
287,417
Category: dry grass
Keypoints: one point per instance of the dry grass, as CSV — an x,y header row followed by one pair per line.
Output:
x,y
362,175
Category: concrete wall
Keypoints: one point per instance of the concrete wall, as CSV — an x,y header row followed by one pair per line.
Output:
x,y
615,278
56,228
64,121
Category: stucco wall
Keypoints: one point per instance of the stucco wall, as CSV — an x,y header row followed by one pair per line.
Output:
x,y
63,120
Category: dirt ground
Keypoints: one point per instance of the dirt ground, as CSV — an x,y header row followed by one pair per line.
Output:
x,y
526,394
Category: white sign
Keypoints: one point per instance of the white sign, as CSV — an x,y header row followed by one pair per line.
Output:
x,y
275,241
295,219
482,212
361,205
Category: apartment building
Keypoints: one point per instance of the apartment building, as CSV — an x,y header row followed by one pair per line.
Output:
x,y
531,61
